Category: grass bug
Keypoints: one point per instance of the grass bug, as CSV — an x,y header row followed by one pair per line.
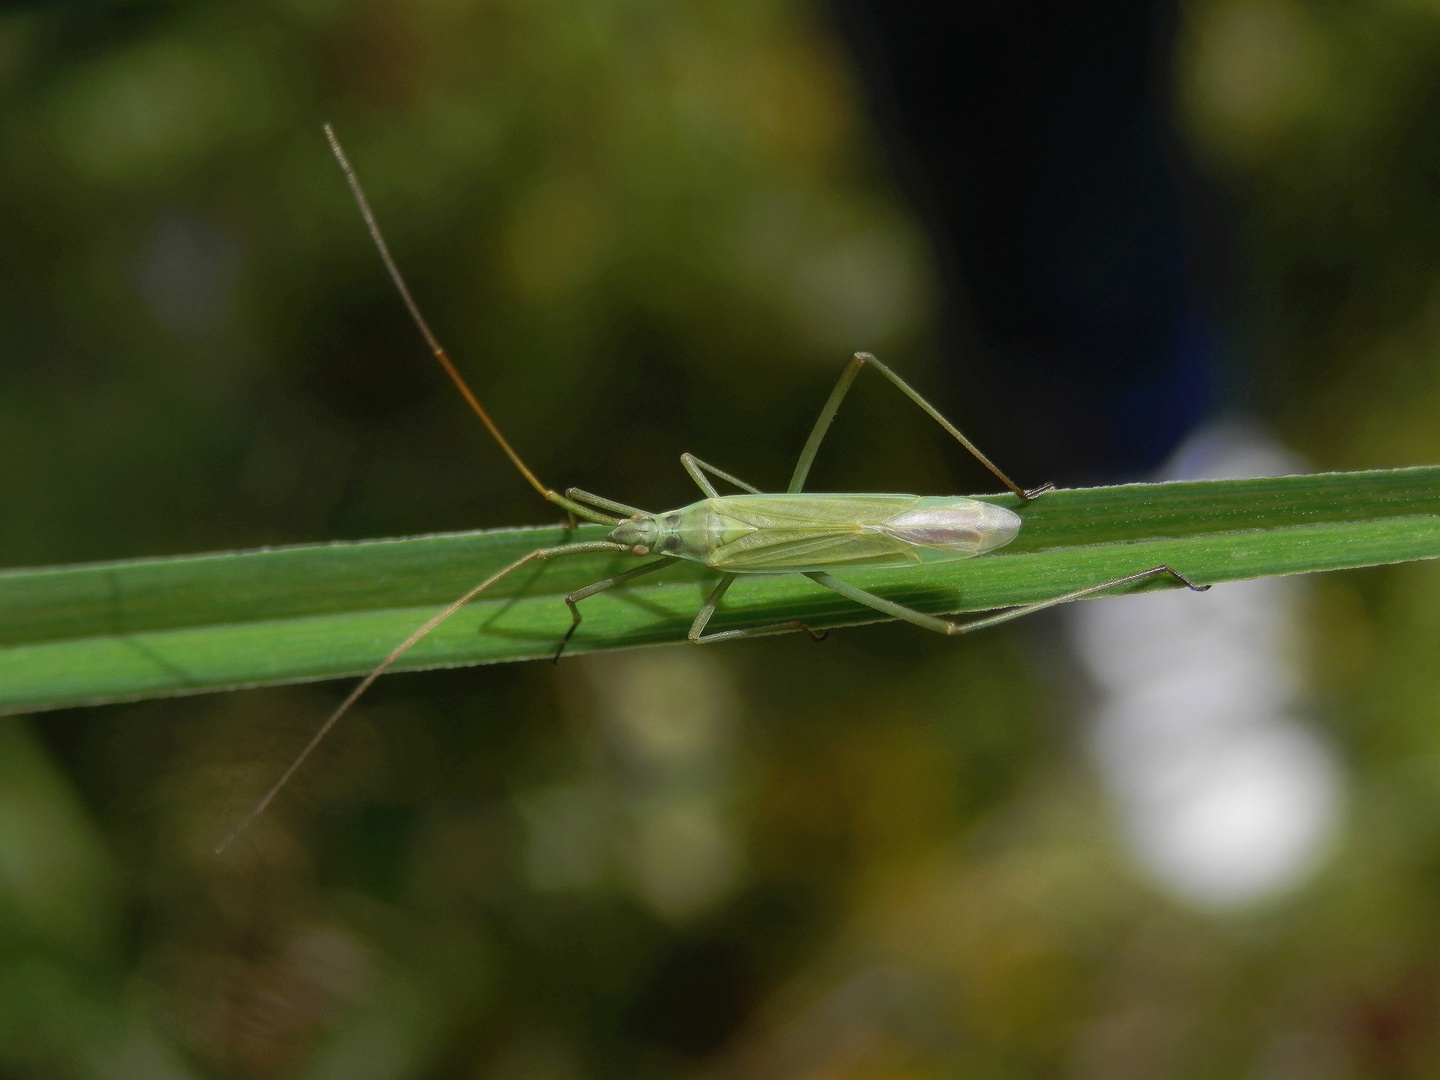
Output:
x,y
794,532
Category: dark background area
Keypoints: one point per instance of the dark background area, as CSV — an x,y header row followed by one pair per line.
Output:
x,y
1037,142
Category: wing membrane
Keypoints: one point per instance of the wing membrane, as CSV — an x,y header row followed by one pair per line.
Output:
x,y
812,512
789,533
791,550
759,534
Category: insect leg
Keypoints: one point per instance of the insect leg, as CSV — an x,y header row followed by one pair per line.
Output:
x,y
604,504
539,554
888,607
698,636
1079,594
702,617
598,587
947,626
832,406
693,465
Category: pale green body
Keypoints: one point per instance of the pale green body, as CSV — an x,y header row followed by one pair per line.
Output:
x,y
799,533
791,533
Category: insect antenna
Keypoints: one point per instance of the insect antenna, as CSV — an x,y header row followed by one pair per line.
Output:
x,y
438,350
539,554
577,509
344,707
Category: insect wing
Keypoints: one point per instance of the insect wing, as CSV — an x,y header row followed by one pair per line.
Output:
x,y
958,527
792,533
786,552
815,510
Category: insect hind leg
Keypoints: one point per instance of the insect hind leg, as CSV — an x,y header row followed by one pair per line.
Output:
x,y
698,636
950,627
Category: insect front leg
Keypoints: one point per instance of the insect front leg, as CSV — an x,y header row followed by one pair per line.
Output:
x,y
578,495
598,587
698,636
950,627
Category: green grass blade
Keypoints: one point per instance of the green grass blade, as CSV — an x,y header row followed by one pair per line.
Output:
x,y
125,630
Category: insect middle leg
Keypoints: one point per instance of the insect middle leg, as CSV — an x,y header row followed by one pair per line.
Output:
x,y
698,636
697,469
832,406
950,627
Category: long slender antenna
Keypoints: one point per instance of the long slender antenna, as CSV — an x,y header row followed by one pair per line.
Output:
x,y
430,339
395,654
575,508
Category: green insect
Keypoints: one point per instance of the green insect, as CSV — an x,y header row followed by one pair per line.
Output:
x,y
796,532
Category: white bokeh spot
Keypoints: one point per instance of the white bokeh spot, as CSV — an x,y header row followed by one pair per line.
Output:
x,y
1226,793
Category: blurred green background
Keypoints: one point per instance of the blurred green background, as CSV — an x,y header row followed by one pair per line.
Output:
x,y
645,228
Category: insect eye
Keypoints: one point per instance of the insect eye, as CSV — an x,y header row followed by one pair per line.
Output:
x,y
672,543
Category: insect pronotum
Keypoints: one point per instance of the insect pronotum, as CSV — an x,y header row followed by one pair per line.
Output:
x,y
796,532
